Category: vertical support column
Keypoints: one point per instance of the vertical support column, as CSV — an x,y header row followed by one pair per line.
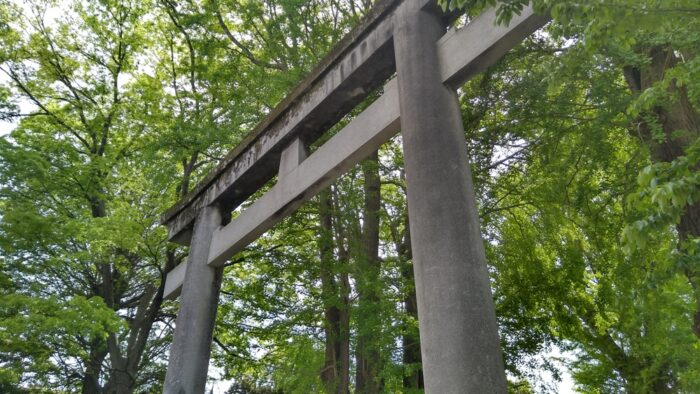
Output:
x,y
189,353
458,330
291,157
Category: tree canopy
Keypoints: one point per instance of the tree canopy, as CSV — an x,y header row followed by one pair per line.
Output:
x,y
583,143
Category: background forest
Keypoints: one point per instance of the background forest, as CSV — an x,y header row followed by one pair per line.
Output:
x,y
585,153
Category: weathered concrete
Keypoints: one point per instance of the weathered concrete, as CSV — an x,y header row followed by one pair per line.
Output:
x,y
458,330
359,64
457,61
189,353
292,156
362,136
478,45
174,281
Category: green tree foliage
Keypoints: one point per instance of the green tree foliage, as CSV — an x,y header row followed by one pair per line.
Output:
x,y
613,84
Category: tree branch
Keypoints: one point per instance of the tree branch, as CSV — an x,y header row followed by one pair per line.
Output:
x,y
243,49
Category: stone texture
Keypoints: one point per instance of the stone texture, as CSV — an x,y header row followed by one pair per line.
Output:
x,y
458,331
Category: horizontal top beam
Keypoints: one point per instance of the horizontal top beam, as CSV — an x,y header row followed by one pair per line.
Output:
x,y
299,179
361,62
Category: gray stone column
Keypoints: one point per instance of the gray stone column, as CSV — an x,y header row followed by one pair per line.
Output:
x,y
458,330
189,352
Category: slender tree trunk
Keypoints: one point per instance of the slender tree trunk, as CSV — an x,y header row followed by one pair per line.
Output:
x,y
369,324
98,347
335,373
678,127
413,378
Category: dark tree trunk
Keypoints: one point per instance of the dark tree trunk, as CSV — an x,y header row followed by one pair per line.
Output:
x,y
335,373
93,368
369,324
98,347
123,377
410,338
413,379
671,120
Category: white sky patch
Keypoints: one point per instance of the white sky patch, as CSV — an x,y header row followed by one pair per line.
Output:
x,y
5,126
50,16
566,386
217,385
25,107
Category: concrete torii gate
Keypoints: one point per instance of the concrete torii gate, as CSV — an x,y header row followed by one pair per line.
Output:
x,y
458,332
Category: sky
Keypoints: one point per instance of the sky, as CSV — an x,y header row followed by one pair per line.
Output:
x,y
5,127
25,107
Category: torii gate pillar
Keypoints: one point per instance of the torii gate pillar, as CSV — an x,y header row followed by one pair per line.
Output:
x,y
189,354
458,330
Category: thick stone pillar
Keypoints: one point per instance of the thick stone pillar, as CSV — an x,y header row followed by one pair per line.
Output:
x,y
189,353
458,330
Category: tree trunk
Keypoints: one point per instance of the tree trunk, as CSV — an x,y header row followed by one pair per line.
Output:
x,y
413,375
123,377
98,347
93,368
369,324
667,144
335,373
